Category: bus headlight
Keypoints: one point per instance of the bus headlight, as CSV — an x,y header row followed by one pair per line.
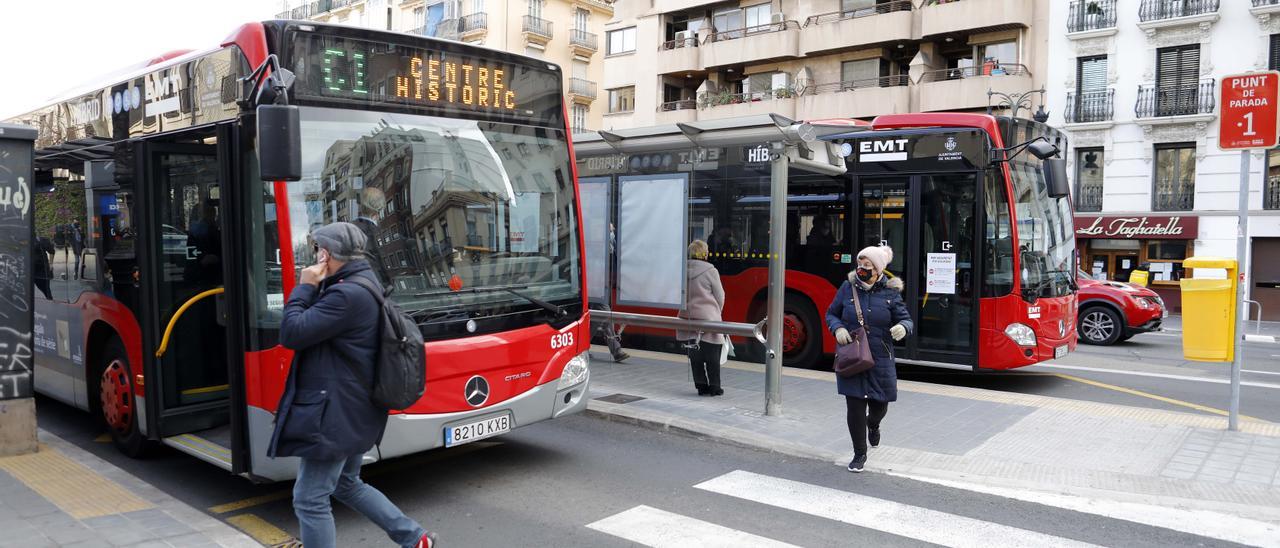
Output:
x,y
574,372
1021,334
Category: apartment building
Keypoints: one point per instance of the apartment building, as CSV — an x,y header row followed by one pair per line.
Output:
x,y
564,32
670,61
1134,84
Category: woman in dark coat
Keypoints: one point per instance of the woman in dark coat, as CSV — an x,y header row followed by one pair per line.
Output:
x,y
867,394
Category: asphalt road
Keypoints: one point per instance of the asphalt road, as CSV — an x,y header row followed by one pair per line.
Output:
x,y
583,481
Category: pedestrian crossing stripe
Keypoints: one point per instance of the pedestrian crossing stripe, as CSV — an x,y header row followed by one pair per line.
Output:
x,y
904,520
661,529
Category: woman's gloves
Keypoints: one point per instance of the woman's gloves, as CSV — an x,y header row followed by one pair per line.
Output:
x,y
897,332
842,336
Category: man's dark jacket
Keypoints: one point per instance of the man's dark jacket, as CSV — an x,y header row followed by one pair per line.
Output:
x,y
326,412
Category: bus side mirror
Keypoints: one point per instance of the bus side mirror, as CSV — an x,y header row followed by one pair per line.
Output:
x,y
1055,177
279,143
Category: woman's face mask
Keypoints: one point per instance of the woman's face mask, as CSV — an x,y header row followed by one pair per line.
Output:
x,y
864,274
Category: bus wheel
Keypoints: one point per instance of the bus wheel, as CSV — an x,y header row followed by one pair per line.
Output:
x,y
1100,325
116,401
801,334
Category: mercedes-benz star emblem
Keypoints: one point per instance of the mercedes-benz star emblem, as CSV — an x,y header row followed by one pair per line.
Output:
x,y
476,391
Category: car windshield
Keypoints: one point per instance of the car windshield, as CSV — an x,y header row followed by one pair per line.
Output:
x,y
457,212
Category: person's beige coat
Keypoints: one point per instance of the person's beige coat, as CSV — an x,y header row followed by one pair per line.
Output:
x,y
704,301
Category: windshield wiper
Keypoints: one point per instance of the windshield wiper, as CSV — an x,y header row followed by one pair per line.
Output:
x,y
556,310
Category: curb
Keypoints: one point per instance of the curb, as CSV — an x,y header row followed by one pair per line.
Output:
x,y
1260,338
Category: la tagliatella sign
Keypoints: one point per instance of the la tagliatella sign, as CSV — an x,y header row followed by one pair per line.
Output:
x,y
1138,227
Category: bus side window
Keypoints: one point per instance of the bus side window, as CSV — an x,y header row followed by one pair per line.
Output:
x,y
998,259
44,251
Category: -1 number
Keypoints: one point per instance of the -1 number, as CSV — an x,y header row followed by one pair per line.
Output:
x,y
561,340
1248,130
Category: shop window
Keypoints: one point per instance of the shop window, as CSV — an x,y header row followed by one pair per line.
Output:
x,y
1165,259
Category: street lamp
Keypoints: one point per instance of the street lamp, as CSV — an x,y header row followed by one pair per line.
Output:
x,y
1015,102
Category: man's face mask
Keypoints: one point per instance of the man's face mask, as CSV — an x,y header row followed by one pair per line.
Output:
x,y
864,274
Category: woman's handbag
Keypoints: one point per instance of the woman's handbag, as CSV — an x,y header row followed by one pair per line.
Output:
x,y
855,357
726,350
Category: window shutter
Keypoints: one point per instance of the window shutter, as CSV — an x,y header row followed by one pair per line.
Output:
x,y
1178,66
1091,74
1273,61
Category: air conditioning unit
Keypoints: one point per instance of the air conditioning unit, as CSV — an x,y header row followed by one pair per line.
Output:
x,y
683,37
777,18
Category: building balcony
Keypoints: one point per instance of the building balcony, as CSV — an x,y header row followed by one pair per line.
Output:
x,y
447,29
966,88
729,105
855,99
473,27
939,17
1157,14
1265,7
583,43
1090,108
844,30
679,57
1171,104
1089,198
1271,194
779,40
678,112
1091,19
536,30
582,91
1173,196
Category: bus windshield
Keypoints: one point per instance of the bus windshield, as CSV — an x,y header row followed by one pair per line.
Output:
x,y
459,213
1045,232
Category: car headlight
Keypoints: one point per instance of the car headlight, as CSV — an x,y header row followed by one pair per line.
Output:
x,y
1142,302
574,372
1021,334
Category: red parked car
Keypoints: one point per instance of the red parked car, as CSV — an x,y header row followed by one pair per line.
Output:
x,y
1111,312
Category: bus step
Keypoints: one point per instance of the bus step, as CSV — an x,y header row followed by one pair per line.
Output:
x,y
201,445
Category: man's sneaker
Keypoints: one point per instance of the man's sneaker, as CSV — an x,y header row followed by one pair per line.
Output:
x,y
856,464
873,437
620,357
428,540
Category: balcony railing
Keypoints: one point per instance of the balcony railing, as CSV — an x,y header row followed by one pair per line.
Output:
x,y
707,100
1089,197
588,40
1156,10
1261,3
987,69
677,44
878,9
447,29
1157,101
537,25
683,104
1271,197
1090,106
582,87
1086,15
473,22
897,80
1174,196
734,34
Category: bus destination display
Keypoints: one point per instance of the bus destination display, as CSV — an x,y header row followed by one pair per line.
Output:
x,y
349,69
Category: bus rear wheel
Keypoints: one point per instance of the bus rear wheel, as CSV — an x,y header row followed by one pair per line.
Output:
x,y
801,334
116,401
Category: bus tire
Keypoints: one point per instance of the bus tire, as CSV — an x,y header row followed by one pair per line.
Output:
x,y
802,331
116,402
1100,325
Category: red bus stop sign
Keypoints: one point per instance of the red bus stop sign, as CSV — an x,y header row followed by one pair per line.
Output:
x,y
1250,119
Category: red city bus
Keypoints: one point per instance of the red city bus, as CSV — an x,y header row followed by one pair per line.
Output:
x,y
947,210
171,259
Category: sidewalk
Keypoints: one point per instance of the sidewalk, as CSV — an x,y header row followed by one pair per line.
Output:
x,y
64,496
996,440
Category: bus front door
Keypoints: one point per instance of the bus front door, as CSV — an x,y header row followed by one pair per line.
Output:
x,y
188,324
929,222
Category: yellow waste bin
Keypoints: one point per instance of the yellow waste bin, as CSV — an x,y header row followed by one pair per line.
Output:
x,y
1209,312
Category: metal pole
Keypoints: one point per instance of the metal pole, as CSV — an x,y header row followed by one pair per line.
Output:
x,y
777,280
1242,239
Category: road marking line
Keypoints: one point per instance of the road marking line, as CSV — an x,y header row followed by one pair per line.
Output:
x,y
1149,395
904,520
1262,372
1196,522
660,528
385,468
1254,384
260,530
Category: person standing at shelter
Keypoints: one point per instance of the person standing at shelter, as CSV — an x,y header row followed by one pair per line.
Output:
x,y
867,394
705,301
77,247
326,415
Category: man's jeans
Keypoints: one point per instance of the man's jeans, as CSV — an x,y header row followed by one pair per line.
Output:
x,y
318,479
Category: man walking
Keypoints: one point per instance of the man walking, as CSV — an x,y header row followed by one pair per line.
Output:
x,y
326,415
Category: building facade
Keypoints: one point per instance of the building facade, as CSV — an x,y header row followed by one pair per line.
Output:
x,y
564,32
669,61
1133,82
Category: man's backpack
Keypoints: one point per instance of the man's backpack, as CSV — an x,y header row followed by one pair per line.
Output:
x,y
400,368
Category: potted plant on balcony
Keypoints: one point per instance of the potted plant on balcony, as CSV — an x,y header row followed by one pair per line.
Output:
x,y
1093,8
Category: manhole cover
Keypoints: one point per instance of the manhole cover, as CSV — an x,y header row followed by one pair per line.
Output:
x,y
619,398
